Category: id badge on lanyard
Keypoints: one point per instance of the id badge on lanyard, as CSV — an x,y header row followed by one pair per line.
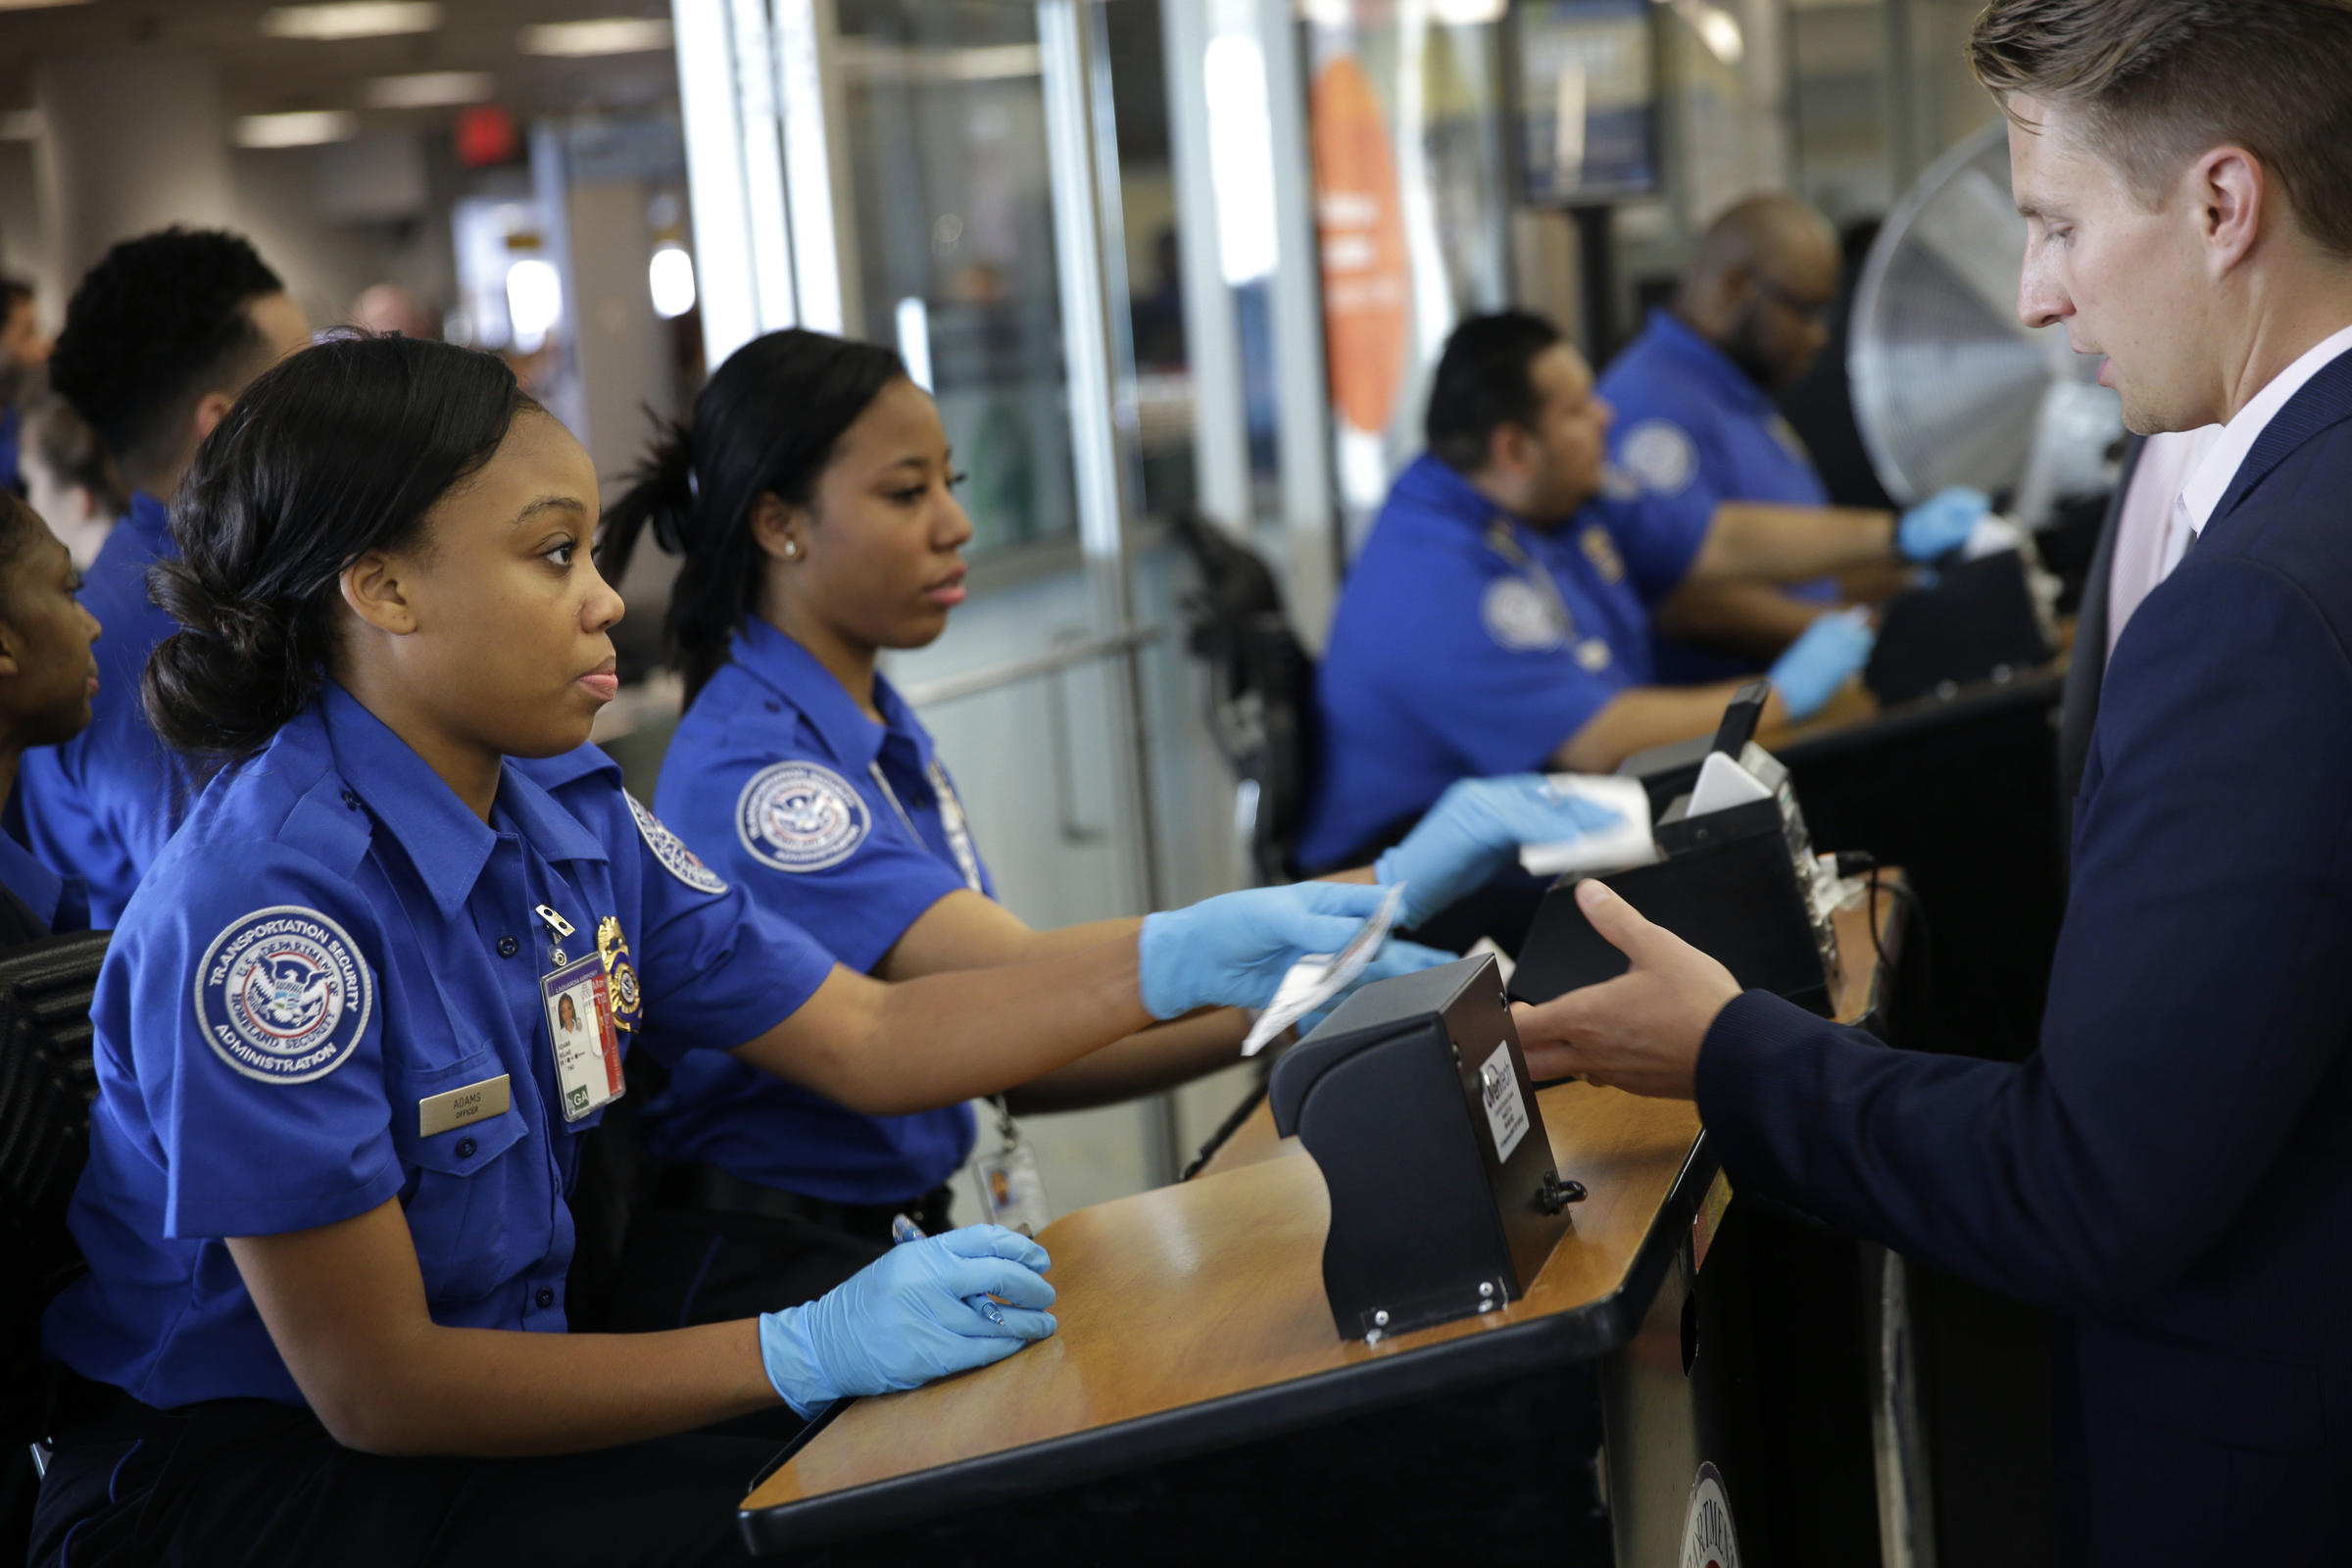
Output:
x,y
577,996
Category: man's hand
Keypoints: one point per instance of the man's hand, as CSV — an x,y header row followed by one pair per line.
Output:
x,y
1642,1031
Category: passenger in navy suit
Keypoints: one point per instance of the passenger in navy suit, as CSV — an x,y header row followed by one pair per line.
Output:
x,y
2172,1171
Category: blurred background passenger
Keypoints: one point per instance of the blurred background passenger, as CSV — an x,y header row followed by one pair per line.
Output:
x,y
70,478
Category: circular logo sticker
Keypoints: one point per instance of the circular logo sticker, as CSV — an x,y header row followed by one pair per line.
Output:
x,y
671,850
282,995
1519,618
1709,1539
800,816
1659,453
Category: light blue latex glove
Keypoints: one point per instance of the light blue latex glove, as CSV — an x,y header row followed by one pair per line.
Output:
x,y
1941,523
1474,831
1233,949
1830,652
904,1319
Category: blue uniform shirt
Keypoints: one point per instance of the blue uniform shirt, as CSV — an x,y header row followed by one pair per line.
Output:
x,y
60,902
1694,429
12,437
333,942
101,806
1467,644
772,777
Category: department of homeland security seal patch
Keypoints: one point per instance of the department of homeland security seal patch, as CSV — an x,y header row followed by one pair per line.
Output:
x,y
800,816
1519,618
671,850
282,995
1659,453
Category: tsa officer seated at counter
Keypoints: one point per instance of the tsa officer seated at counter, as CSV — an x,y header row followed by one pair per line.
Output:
x,y
811,496
159,339
1495,621
1697,426
338,1116
48,676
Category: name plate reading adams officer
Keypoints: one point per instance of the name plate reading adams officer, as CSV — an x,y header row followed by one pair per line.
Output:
x,y
455,1107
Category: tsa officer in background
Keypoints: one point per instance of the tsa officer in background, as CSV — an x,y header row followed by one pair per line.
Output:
x,y
1495,621
47,678
2172,1171
1696,422
23,352
325,1211
159,339
812,500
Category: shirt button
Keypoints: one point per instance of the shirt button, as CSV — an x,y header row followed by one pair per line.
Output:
x,y
507,946
466,1147
775,708
546,1297
351,800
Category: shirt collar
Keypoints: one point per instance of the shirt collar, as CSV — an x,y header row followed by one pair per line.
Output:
x,y
42,889
149,518
447,844
794,673
2209,480
1678,339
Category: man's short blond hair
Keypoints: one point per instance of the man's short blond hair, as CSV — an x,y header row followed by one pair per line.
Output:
x,y
2157,83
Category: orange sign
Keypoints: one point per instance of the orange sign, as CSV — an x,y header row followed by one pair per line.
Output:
x,y
1359,229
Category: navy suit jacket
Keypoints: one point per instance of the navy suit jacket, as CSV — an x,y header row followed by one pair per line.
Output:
x,y
2173,1169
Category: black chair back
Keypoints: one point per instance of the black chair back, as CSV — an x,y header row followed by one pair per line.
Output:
x,y
46,1085
1262,691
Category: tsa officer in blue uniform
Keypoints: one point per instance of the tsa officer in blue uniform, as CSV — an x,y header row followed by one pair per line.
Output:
x,y
47,678
1494,619
812,500
2172,1172
1696,424
343,1073
159,338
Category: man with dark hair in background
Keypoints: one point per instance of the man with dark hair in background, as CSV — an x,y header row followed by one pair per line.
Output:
x,y
1495,621
160,338
2172,1172
23,352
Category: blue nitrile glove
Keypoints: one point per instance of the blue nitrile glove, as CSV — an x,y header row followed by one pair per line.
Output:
x,y
1941,523
1474,831
904,1319
1830,652
1232,950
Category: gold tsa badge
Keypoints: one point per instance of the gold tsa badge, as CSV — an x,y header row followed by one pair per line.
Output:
x,y
613,950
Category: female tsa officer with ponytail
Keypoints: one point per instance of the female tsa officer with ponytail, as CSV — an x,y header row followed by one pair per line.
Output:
x,y
324,1211
812,501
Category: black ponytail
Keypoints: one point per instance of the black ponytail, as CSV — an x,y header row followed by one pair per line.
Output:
x,y
766,423
338,450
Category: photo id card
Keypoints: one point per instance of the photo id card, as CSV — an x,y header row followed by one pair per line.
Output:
x,y
1012,1191
579,1025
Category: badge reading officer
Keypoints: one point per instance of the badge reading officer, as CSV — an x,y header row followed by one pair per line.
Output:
x,y
800,816
282,995
671,850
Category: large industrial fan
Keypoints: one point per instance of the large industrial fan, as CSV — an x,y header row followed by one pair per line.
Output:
x,y
1948,386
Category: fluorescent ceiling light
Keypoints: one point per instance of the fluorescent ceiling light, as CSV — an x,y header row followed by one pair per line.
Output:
x,y
351,19
38,5
432,89
307,129
1467,13
21,125
604,35
671,278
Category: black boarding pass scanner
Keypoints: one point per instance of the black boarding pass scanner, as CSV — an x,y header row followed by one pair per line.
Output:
x,y
1414,1101
1736,879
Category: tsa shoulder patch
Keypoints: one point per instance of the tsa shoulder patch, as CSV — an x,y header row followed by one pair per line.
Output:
x,y
1519,618
282,996
671,850
800,816
1659,453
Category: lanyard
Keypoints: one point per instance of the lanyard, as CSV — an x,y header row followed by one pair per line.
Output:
x,y
950,819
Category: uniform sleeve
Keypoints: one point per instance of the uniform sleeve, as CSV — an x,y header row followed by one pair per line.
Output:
x,y
1660,524
812,846
716,970
250,1008
2198,1006
1496,676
